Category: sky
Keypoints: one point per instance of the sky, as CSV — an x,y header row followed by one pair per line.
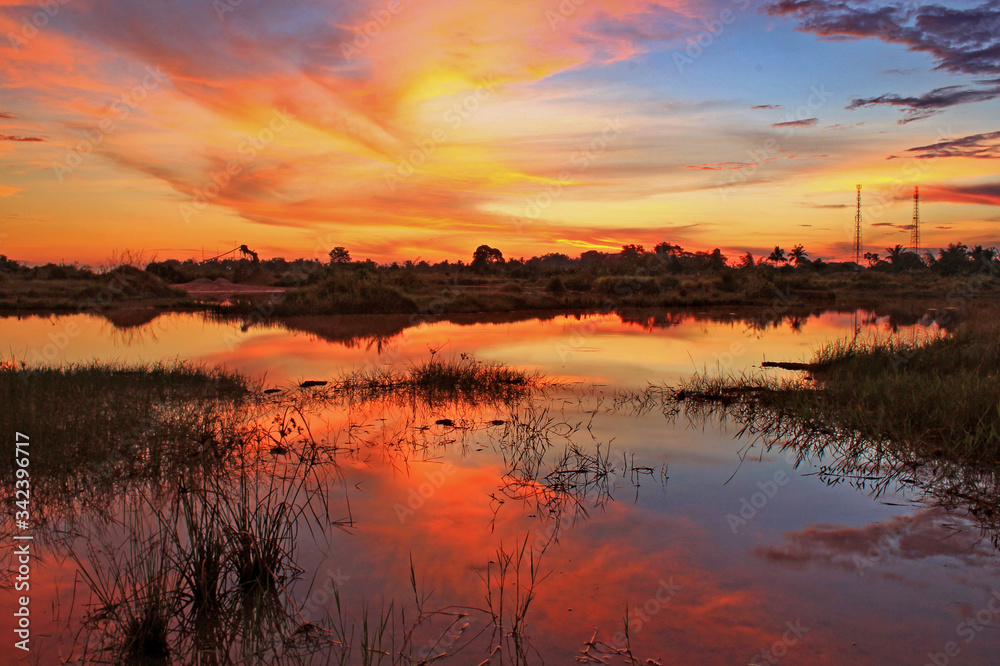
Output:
x,y
406,129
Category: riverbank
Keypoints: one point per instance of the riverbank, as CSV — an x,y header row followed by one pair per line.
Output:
x,y
938,397
353,290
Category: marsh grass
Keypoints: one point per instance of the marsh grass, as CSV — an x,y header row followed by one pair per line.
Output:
x,y
880,413
207,572
546,470
436,381
136,593
939,396
186,493
510,581
101,428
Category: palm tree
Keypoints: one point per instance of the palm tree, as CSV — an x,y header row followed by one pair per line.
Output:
x,y
894,254
872,258
798,255
777,256
953,259
983,255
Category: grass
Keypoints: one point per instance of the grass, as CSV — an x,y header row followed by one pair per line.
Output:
x,y
216,549
879,413
206,570
178,463
436,381
882,414
388,292
510,581
90,292
98,428
939,397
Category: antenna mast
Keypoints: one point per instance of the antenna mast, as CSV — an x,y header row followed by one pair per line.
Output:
x,y
857,231
915,228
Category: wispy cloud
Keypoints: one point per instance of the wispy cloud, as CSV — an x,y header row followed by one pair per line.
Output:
x,y
979,146
928,104
986,193
807,122
961,41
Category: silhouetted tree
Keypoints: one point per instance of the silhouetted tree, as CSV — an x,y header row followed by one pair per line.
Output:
x,y
339,255
632,251
667,248
953,259
716,260
8,265
486,256
798,255
894,254
593,257
777,256
983,255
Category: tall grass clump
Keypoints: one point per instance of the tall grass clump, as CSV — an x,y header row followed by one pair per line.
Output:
x,y
939,396
437,381
98,427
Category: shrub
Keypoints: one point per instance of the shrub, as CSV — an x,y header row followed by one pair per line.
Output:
x,y
669,282
625,286
577,283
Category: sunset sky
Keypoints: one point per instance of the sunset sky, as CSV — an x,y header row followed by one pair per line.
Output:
x,y
423,128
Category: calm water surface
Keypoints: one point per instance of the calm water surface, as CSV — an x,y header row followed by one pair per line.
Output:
x,y
715,548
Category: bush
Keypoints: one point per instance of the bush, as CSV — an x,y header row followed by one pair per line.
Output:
x,y
669,282
727,282
577,283
625,286
127,283
168,271
348,293
555,285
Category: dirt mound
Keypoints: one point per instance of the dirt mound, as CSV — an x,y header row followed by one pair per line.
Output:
x,y
127,317
127,283
221,288
208,284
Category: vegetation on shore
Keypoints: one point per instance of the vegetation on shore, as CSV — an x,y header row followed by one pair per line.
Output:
x,y
98,425
939,398
111,422
71,288
438,381
190,541
667,275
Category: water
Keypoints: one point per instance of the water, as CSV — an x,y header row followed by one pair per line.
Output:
x,y
716,548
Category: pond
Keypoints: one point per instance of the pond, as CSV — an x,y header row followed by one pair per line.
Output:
x,y
586,522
